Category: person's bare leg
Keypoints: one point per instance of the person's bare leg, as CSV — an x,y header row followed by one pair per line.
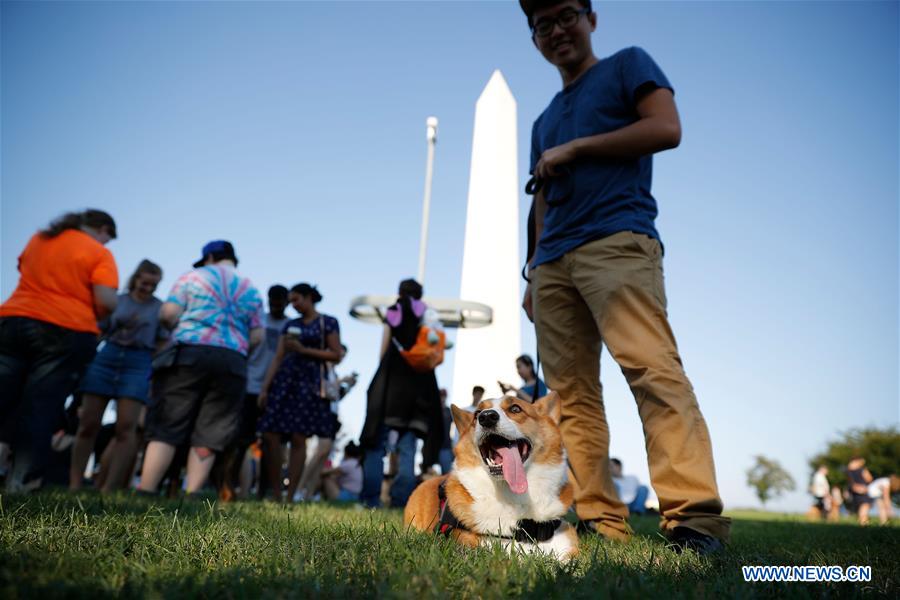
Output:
x,y
4,456
863,514
296,463
245,478
92,408
311,480
127,413
156,462
272,464
200,462
330,487
882,510
105,461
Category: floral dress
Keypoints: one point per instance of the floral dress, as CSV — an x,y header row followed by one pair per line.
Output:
x,y
294,403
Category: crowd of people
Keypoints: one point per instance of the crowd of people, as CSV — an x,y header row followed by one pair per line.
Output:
x,y
198,376
206,383
862,492
203,378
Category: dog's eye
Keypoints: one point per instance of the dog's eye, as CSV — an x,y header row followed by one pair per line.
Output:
x,y
515,408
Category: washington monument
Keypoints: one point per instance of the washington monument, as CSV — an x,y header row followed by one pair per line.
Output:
x,y
490,271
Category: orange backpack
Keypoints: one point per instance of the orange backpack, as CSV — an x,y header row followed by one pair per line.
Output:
x,y
422,356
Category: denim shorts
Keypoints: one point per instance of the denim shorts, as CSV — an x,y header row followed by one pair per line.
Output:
x,y
119,372
346,495
199,399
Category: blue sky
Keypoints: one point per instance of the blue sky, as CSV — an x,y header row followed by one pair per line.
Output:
x,y
297,130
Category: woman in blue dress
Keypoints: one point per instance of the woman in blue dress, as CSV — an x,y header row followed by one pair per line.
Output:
x,y
292,391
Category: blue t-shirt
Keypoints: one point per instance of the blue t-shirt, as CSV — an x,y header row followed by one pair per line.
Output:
x,y
541,390
597,197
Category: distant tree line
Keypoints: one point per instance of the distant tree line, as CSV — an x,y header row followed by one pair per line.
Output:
x,y
880,448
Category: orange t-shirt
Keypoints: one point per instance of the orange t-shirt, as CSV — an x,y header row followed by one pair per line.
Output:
x,y
56,279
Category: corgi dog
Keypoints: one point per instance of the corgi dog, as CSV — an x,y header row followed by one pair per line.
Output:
x,y
509,482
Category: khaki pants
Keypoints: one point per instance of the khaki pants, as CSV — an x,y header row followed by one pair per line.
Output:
x,y
611,291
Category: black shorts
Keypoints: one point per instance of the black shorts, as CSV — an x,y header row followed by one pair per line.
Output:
x,y
859,499
249,419
198,399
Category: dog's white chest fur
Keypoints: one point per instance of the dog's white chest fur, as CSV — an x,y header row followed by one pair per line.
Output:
x,y
497,510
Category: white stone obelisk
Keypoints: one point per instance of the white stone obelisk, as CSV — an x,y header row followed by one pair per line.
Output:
x,y
490,271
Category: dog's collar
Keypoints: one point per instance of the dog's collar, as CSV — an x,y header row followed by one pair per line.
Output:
x,y
527,530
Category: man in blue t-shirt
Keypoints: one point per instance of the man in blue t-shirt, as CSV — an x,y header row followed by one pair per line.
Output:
x,y
596,276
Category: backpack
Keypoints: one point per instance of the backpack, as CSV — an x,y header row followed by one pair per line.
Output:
x,y
424,356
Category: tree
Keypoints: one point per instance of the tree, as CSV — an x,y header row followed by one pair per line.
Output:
x,y
880,448
769,479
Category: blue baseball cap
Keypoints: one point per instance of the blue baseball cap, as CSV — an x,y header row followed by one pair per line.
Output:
x,y
220,247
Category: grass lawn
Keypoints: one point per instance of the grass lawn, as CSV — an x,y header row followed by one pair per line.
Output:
x,y
59,545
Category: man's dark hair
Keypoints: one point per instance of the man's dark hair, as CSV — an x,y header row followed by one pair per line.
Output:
x,y
278,291
217,256
477,390
304,289
529,6
93,218
616,461
410,288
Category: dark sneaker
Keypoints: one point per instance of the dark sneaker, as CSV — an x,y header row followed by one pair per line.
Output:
x,y
585,528
684,538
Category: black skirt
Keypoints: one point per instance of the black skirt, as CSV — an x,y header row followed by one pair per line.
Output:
x,y
404,399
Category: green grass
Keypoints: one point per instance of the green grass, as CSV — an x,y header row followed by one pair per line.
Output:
x,y
59,545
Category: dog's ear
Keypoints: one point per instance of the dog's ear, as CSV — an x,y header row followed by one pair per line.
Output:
x,y
551,406
461,418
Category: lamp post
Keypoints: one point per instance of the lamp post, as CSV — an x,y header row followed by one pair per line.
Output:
x,y
431,124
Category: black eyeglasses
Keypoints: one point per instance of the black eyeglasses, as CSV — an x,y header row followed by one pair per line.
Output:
x,y
566,20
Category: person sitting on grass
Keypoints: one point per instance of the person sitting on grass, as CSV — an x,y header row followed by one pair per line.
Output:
x,y
344,482
631,492
532,387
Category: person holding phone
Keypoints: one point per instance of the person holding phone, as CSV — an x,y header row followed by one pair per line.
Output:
x,y
532,388
291,393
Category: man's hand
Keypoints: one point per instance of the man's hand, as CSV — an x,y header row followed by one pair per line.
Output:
x,y
294,345
526,303
553,158
262,399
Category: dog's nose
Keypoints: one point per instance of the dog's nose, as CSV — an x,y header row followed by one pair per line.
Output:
x,y
488,418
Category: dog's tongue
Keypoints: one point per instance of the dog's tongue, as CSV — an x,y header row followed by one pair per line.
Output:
x,y
513,471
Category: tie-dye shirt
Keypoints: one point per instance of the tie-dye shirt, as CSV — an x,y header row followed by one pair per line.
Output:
x,y
220,308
